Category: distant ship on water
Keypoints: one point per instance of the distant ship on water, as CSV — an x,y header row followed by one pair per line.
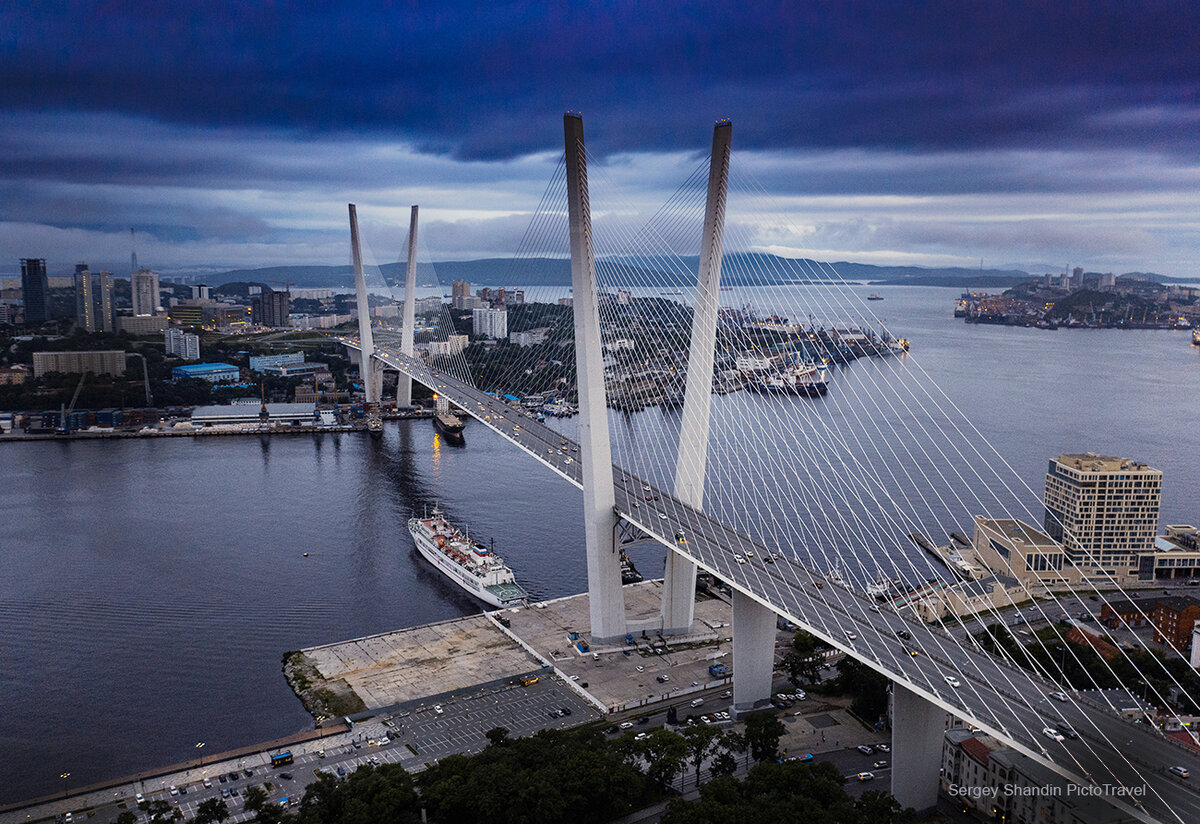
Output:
x,y
447,424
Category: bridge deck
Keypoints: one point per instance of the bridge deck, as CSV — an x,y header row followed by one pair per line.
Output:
x,y
1007,701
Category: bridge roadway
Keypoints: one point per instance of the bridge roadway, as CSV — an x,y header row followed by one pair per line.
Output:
x,y
1006,701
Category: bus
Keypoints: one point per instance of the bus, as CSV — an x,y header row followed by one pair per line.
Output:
x,y
529,680
279,759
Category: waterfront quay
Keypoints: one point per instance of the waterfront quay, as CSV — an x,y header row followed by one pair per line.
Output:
x,y
436,689
549,638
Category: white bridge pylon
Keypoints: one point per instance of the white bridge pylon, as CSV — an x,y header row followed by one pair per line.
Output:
x,y
949,676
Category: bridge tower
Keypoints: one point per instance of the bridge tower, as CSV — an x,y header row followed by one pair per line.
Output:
x,y
404,384
370,369
605,598
679,579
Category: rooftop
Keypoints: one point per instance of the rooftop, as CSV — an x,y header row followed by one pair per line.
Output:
x,y
1019,531
1091,462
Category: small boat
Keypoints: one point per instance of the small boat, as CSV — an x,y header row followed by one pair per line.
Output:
x,y
805,378
874,296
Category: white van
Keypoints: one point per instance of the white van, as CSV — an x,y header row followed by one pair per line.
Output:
x,y
697,702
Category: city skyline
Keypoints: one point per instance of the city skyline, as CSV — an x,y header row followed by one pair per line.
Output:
x,y
234,137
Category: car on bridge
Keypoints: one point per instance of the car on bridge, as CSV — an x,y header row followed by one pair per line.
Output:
x,y
865,776
952,681
1052,734
1179,771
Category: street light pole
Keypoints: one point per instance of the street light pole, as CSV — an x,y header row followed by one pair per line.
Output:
x,y
64,777
200,747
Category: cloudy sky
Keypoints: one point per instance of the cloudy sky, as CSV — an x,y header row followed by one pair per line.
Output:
x,y
930,133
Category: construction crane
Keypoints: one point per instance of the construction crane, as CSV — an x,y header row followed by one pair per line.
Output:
x,y
145,376
64,426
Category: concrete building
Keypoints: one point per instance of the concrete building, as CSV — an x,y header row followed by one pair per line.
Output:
x,y
271,308
93,300
979,774
969,597
1108,282
211,372
1172,617
292,370
531,337
13,375
146,295
1176,555
186,314
35,291
224,316
201,292
102,362
491,323
459,288
259,363
624,297
8,313
425,306
181,343
287,414
1015,548
467,303
453,345
1104,511
143,324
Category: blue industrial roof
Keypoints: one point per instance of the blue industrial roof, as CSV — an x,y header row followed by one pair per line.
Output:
x,y
204,367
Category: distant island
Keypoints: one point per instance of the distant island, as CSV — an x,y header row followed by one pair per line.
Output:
x,y
768,270
1086,300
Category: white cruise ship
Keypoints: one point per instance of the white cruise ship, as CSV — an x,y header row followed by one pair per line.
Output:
x,y
467,563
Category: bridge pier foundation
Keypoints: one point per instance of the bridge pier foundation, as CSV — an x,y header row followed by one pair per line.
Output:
x,y
918,733
753,653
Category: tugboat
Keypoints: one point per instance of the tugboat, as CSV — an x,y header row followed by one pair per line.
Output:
x,y
447,424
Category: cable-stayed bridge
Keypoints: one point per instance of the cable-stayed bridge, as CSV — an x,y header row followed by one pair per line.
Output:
x,y
933,670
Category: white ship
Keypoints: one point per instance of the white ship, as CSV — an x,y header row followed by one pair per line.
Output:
x,y
467,563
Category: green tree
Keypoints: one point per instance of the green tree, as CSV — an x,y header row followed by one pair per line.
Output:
x,y
211,811
369,795
161,812
665,753
702,741
126,817
763,731
731,744
254,798
497,736
803,661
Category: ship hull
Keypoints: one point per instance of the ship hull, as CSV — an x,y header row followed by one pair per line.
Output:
x,y
451,432
448,568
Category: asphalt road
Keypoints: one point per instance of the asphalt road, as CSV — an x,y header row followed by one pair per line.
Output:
x,y
1006,701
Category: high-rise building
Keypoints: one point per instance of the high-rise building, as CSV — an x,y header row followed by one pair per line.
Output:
x,y
145,287
201,292
1104,511
492,323
1108,281
1077,278
271,308
93,300
107,362
181,343
459,288
35,291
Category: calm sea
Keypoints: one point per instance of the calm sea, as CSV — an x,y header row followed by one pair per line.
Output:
x,y
150,587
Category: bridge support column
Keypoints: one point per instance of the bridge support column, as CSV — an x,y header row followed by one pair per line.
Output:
x,y
605,598
679,577
404,382
753,653
918,734
369,368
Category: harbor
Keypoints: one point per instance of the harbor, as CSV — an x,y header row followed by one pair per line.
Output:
x,y
548,638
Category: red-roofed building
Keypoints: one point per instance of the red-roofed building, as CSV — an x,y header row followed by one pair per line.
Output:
x,y
1104,649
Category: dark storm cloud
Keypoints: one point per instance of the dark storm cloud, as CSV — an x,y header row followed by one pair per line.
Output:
x,y
490,80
